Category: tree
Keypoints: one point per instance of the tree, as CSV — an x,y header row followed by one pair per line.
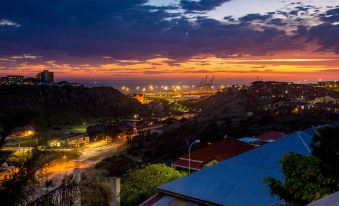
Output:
x,y
117,165
141,183
94,189
23,183
325,146
308,178
9,120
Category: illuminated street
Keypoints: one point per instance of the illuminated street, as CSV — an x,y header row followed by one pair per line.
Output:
x,y
91,155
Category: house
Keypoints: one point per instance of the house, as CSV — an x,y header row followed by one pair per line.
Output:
x,y
212,154
329,107
237,181
26,131
7,172
73,140
325,99
156,129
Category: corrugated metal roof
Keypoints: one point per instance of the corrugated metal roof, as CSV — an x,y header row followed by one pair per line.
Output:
x,y
166,200
330,200
238,181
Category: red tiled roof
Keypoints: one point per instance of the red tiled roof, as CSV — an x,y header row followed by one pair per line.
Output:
x,y
220,151
271,135
184,164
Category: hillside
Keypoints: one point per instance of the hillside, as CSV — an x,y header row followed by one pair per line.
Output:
x,y
223,104
67,104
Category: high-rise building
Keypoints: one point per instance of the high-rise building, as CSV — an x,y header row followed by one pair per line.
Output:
x,y
12,79
45,77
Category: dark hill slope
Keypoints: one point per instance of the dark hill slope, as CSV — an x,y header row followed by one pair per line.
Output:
x,y
65,104
222,104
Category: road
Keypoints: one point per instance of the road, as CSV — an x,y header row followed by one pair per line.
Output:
x,y
96,152
91,155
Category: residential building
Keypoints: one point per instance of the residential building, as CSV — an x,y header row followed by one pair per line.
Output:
x,y
238,180
26,131
12,79
325,99
73,140
45,77
30,81
7,172
212,154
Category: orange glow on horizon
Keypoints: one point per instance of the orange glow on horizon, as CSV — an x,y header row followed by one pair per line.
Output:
x,y
287,65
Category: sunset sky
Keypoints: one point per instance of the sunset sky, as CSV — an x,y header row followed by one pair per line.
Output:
x,y
236,40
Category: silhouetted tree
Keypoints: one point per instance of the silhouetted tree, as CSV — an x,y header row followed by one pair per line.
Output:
x,y
308,178
12,119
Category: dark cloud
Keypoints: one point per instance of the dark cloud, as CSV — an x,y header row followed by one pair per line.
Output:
x,y
326,34
129,29
252,17
278,22
331,15
201,5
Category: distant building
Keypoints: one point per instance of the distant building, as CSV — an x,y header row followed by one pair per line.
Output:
x,y
7,172
325,99
26,131
30,81
65,83
141,98
328,84
74,140
45,77
12,79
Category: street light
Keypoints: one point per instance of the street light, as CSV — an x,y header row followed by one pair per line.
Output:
x,y
189,155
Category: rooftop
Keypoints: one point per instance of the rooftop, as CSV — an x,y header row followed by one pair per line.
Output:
x,y
330,200
271,135
219,151
238,181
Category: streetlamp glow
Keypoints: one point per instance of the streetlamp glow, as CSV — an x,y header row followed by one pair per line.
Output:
x,y
189,154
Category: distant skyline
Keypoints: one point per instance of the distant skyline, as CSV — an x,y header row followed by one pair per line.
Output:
x,y
171,40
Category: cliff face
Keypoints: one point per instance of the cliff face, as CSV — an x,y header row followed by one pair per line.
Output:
x,y
67,103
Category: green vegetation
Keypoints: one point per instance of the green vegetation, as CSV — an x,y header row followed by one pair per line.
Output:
x,y
177,107
16,190
140,183
117,165
67,105
310,178
19,157
94,189
11,119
